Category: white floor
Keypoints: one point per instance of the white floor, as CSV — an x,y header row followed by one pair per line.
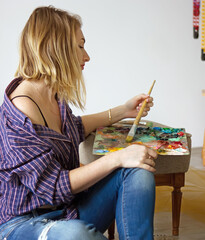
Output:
x,y
190,229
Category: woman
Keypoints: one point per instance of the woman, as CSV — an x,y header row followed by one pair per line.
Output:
x,y
44,194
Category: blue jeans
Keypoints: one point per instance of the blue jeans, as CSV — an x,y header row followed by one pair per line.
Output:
x,y
127,195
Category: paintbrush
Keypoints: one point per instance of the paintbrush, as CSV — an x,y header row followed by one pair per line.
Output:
x,y
139,115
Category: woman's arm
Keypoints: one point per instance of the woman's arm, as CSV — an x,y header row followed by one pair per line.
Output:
x,y
131,157
127,110
106,118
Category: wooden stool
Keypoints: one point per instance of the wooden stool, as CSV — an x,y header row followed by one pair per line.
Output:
x,y
170,171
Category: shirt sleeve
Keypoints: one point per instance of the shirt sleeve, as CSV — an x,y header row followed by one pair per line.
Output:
x,y
33,163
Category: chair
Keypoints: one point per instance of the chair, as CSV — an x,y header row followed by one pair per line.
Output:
x,y
170,171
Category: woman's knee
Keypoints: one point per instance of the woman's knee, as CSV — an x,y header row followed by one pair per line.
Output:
x,y
146,178
72,230
140,179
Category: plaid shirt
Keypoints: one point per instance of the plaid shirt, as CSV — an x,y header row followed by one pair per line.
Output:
x,y
35,160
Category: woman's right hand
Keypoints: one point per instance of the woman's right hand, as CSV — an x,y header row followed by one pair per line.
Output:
x,y
136,156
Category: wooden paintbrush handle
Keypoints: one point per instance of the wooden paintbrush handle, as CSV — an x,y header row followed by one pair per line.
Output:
x,y
151,87
139,115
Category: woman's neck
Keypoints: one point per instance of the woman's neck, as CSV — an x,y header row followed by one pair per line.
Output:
x,y
43,91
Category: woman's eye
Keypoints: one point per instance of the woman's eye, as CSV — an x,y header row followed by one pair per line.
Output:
x,y
81,47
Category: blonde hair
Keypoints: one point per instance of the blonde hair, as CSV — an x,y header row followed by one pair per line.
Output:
x,y
48,50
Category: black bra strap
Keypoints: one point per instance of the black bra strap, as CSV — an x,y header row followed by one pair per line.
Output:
x,y
36,105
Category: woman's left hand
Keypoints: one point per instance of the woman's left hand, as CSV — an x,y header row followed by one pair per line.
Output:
x,y
132,106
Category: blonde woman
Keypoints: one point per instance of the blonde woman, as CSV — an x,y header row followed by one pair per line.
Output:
x,y
44,194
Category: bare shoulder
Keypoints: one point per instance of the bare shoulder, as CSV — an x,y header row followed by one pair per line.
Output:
x,y
23,100
26,105
26,99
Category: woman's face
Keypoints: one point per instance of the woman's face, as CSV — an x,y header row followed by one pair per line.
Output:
x,y
82,54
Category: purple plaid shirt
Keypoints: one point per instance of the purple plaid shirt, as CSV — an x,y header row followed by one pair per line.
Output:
x,y
35,160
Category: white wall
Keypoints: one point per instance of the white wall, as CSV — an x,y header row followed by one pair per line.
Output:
x,y
130,43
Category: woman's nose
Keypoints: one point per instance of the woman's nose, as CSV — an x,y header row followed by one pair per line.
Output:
x,y
86,57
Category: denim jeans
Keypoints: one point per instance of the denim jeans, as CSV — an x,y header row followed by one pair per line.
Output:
x,y
127,195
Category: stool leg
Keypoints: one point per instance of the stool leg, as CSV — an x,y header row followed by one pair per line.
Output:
x,y
111,231
178,182
176,207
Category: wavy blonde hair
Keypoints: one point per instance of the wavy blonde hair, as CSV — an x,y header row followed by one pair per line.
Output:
x,y
48,50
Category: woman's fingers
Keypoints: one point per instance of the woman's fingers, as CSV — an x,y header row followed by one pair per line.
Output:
x,y
137,156
148,167
150,162
152,154
147,107
149,101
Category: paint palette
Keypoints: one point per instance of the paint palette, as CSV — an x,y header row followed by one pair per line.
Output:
x,y
166,141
